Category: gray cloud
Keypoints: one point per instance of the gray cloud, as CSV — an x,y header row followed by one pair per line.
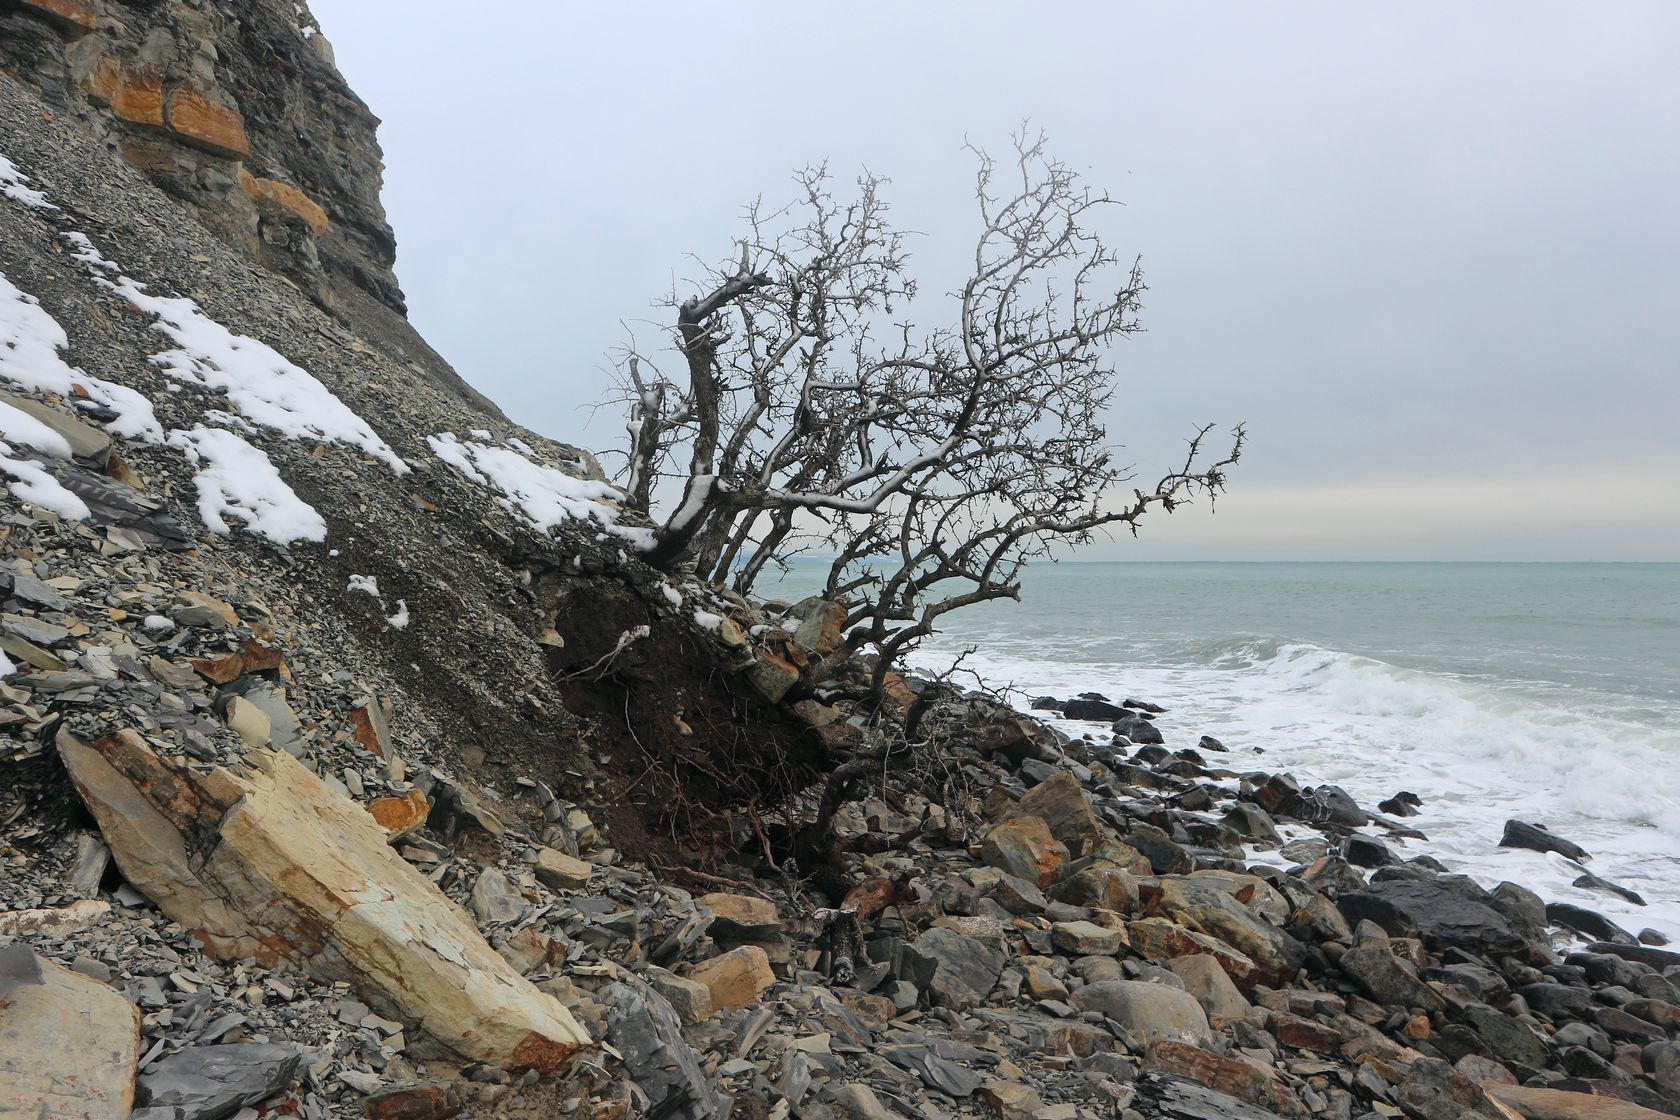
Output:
x,y
1430,252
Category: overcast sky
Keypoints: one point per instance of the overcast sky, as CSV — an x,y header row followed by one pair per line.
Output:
x,y
1430,253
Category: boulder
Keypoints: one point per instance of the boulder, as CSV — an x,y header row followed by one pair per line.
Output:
x,y
1589,923
689,998
819,631
1536,837
561,872
735,978
68,1044
1331,805
1093,710
1166,856
1060,802
1446,911
646,1031
1011,1100
965,968
215,1081
1138,730
1277,957
495,899
1252,822
1163,941
1099,888
1387,979
1210,985
401,816
1222,1088
267,861
741,915
1024,847
1086,939
1433,1090
1556,1104
1150,1013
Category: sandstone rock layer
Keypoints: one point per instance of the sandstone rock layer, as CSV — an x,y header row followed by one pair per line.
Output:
x,y
271,863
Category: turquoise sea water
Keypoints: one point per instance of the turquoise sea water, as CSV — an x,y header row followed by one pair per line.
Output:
x,y
1549,692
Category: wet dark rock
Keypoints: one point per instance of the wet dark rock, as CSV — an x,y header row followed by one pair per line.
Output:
x,y
1591,882
214,1082
1478,980
1252,821
1519,834
1142,706
1136,729
1557,1000
1605,970
1589,923
1094,710
1448,911
1365,851
1329,805
1504,1036
1165,855
1209,743
1276,793
1402,804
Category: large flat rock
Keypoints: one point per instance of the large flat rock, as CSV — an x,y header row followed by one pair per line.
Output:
x,y
68,1045
269,862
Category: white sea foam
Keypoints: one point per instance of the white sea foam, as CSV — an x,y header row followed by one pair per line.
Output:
x,y
1476,753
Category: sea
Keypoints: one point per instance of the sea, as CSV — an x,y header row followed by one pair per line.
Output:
x,y
1548,693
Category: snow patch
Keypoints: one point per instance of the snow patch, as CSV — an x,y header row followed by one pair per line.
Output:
x,y
157,624
399,621
543,495
30,341
31,483
266,387
13,184
672,595
706,620
367,585
237,480
18,426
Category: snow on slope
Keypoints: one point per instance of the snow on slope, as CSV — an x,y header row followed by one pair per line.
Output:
x,y
267,388
13,185
237,480
30,341
542,495
31,482
17,426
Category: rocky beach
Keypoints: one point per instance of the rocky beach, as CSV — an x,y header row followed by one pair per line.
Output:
x,y
353,764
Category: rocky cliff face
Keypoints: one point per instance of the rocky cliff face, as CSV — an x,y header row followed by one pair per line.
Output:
x,y
236,110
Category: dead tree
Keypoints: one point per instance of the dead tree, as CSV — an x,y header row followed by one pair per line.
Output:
x,y
933,464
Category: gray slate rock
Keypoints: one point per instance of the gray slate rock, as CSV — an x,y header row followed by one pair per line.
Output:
x,y
643,1027
1175,1098
214,1082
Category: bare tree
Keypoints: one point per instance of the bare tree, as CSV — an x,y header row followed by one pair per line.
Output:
x,y
933,464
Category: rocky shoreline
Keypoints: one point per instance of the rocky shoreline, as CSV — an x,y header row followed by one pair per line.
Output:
x,y
1059,927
